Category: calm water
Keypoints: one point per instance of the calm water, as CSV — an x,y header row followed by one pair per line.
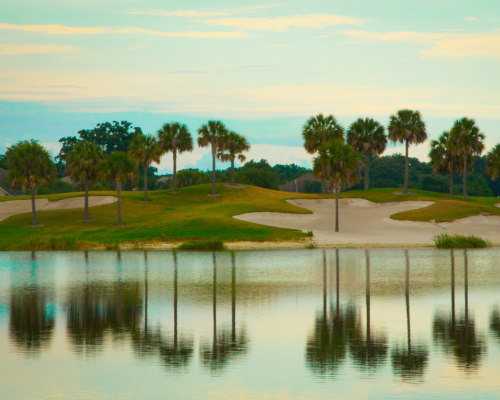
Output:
x,y
306,324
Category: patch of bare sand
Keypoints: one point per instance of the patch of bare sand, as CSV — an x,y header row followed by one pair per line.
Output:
x,y
365,223
14,207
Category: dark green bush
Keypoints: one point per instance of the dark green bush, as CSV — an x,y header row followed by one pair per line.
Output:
x,y
445,241
203,245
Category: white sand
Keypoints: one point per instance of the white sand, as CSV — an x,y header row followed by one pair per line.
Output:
x,y
365,223
14,207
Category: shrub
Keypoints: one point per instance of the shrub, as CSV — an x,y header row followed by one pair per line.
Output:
x,y
311,245
445,241
112,246
202,245
52,243
310,234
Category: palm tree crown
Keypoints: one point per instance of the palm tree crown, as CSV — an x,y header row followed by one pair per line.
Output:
x,y
145,150
213,134
175,137
233,147
367,136
30,167
467,141
343,164
83,166
493,162
406,126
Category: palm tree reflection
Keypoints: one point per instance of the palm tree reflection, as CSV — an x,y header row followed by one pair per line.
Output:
x,y
458,336
226,345
495,322
409,362
326,348
369,353
32,316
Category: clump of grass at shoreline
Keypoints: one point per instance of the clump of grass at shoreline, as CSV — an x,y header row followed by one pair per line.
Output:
x,y
51,243
445,241
203,245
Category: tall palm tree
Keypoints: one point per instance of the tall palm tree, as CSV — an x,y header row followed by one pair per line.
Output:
x,y
367,136
213,134
145,150
406,126
493,162
119,167
317,131
30,167
342,163
467,141
83,165
175,137
443,158
233,147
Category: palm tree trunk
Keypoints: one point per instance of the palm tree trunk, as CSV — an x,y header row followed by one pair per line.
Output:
x,y
119,202
336,209
465,178
367,171
33,208
213,168
405,187
323,186
86,208
451,186
145,182
174,178
232,172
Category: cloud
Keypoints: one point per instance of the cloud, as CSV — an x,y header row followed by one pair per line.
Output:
x,y
280,24
71,30
185,13
472,19
67,87
262,7
138,47
448,45
15,49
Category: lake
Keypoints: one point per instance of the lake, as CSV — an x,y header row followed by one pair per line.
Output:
x,y
297,324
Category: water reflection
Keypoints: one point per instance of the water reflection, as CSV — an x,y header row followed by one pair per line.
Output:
x,y
327,347
409,361
458,336
226,344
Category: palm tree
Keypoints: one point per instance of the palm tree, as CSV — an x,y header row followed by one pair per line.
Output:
x,y
30,167
119,167
343,165
233,147
467,141
406,126
213,134
443,158
145,150
175,137
83,164
367,136
317,131
493,162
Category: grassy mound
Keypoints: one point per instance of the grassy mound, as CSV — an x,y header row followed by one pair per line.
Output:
x,y
445,241
203,245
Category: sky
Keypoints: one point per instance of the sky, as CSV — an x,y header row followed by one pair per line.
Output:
x,y
261,67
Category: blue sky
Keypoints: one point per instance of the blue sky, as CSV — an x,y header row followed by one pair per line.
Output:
x,y
263,68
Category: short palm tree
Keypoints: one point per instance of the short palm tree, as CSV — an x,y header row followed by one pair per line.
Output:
x,y
493,162
233,147
317,131
30,167
121,168
367,137
467,141
145,150
213,134
83,165
175,137
343,164
406,126
443,159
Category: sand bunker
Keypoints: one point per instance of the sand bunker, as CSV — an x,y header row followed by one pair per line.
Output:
x,y
365,223
14,207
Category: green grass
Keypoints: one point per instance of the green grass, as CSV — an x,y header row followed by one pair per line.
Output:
x,y
445,241
203,245
47,244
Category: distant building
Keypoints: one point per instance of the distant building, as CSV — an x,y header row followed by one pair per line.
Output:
x,y
5,189
165,178
67,179
299,186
